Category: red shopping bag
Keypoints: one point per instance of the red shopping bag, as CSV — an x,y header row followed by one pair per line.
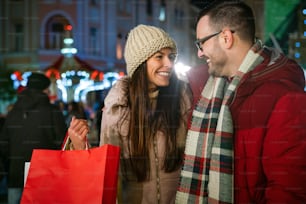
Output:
x,y
72,177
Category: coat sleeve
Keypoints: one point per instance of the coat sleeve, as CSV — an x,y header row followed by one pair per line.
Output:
x,y
110,124
284,151
114,118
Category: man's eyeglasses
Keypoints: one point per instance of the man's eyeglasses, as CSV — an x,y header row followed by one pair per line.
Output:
x,y
201,41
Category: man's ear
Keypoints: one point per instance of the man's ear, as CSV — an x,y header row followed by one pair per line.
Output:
x,y
227,38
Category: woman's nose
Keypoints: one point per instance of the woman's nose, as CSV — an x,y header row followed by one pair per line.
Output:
x,y
168,62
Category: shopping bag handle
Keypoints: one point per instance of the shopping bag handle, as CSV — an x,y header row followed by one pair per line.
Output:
x,y
67,141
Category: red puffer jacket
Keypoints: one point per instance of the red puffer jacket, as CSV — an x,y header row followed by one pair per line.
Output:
x,y
269,114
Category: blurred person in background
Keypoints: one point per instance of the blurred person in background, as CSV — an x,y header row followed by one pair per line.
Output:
x,y
75,109
32,123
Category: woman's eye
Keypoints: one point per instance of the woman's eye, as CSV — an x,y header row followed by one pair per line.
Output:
x,y
159,56
172,57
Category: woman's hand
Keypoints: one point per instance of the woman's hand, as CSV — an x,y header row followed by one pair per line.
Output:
x,y
77,132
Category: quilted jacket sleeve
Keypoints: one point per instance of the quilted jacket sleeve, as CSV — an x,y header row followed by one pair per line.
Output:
x,y
114,114
284,151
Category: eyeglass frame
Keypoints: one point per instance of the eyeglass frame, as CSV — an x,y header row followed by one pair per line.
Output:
x,y
201,41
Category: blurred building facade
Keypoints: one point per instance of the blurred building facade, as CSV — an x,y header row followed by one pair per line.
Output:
x,y
33,31
60,37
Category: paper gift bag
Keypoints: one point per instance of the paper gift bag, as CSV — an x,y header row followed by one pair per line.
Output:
x,y
72,177
26,171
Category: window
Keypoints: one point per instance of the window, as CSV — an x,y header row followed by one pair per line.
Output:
x,y
162,11
125,6
55,32
19,37
178,17
93,41
149,8
56,36
66,1
94,2
119,45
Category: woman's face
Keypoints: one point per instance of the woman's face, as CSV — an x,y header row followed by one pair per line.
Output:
x,y
160,67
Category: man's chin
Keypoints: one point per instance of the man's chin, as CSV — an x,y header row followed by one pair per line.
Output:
x,y
211,71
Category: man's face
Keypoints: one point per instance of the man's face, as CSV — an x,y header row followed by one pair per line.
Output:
x,y
210,47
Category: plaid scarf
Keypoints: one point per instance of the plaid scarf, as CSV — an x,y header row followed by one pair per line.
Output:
x,y
207,174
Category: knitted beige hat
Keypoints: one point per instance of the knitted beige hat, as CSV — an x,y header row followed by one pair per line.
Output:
x,y
143,41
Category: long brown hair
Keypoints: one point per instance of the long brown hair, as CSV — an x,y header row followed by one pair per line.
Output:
x,y
144,123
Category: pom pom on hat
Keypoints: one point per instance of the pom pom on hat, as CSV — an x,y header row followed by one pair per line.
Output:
x,y
38,81
144,41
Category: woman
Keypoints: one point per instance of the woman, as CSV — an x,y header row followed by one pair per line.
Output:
x,y
146,115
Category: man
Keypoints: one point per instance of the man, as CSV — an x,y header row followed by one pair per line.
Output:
x,y
246,143
32,123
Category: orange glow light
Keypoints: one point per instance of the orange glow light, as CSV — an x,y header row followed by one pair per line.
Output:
x,y
68,27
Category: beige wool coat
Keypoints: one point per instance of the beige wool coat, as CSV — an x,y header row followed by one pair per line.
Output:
x,y
114,131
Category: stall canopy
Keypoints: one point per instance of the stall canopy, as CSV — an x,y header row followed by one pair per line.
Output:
x,y
63,64
75,63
